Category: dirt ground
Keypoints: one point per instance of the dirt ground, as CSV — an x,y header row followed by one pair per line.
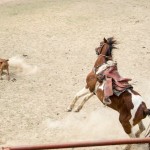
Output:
x,y
58,38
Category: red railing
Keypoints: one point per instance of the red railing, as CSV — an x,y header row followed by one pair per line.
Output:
x,y
81,144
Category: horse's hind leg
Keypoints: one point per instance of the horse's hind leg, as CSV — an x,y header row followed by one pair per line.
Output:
x,y
127,128
86,98
131,135
141,129
81,93
128,147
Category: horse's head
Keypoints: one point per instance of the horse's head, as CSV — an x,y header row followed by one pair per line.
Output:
x,y
105,48
104,51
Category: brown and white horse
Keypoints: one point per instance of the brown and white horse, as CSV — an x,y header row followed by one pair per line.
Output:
x,y
130,106
104,52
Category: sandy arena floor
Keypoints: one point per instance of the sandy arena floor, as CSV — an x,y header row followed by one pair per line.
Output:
x,y
55,41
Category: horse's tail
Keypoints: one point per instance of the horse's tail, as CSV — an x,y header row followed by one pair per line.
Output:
x,y
147,112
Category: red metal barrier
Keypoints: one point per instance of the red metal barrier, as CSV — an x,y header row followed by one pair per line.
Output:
x,y
81,144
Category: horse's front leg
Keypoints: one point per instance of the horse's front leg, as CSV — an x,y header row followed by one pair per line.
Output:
x,y
81,93
86,98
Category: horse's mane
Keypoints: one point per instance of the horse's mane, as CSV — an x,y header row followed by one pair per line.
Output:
x,y
112,43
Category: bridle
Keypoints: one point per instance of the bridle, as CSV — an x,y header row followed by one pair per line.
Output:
x,y
101,49
99,53
108,57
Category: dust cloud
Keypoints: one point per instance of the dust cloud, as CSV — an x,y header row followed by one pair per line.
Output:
x,y
21,67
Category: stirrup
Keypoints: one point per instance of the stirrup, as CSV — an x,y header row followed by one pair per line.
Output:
x,y
107,101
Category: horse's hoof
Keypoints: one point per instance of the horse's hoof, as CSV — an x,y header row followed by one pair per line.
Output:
x,y
76,110
69,109
127,147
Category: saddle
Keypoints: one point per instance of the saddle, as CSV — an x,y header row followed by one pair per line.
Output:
x,y
114,81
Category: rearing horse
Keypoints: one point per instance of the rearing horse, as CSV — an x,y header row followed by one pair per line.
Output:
x,y
104,52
